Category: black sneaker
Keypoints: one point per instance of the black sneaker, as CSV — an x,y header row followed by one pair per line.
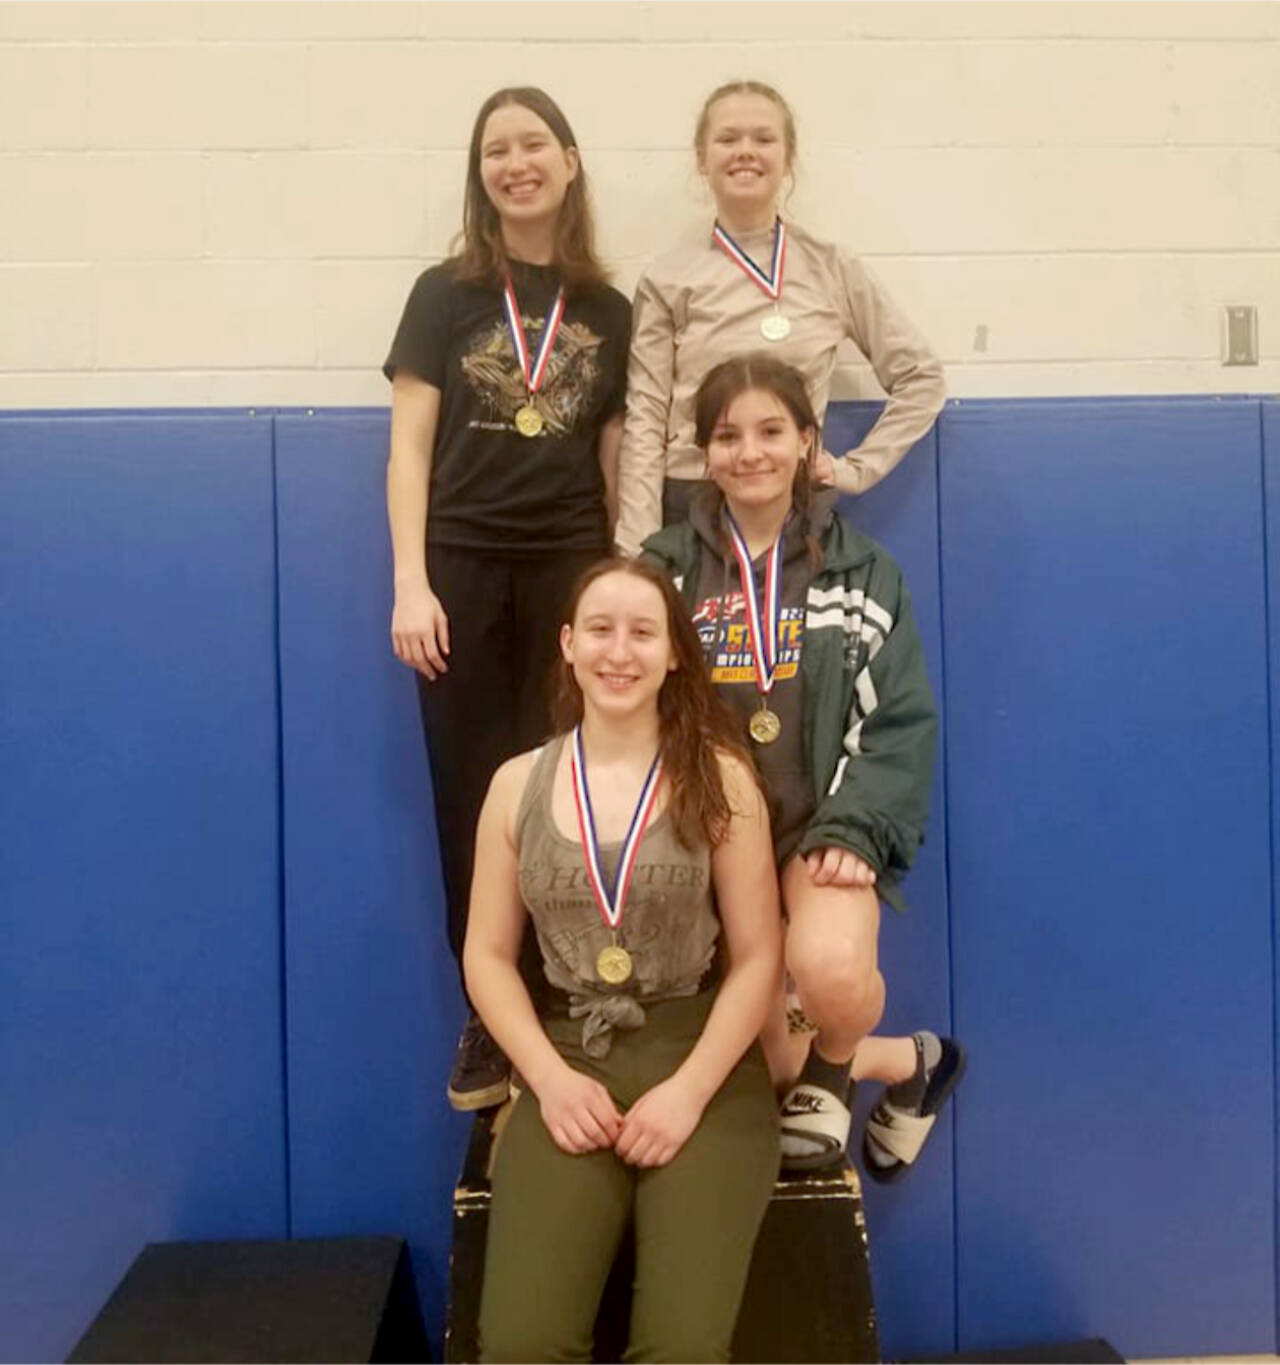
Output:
x,y
481,1072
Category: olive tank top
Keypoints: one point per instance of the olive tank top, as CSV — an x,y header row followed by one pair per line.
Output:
x,y
669,925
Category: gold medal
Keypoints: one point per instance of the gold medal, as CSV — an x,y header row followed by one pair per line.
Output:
x,y
764,726
775,327
528,420
613,964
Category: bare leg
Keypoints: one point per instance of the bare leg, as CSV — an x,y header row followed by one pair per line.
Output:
x,y
784,1051
832,954
832,942
885,1059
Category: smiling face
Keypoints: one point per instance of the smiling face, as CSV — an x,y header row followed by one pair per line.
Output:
x,y
619,645
754,451
525,171
744,154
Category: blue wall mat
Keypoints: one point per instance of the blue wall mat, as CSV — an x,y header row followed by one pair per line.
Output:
x,y
1102,571
1270,414
911,1225
140,1009
373,1001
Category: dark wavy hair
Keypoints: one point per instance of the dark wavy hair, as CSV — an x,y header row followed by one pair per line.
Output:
x,y
695,727
479,253
766,373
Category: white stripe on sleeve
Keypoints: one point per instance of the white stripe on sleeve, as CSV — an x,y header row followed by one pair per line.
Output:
x,y
865,690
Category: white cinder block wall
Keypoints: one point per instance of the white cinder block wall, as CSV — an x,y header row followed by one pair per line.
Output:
x,y
225,203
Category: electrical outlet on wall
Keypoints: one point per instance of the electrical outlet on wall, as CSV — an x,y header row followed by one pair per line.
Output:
x,y
1239,334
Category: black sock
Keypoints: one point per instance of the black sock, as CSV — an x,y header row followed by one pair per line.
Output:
x,y
909,1093
832,1076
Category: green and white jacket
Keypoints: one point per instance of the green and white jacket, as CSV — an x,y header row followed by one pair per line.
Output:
x,y
870,725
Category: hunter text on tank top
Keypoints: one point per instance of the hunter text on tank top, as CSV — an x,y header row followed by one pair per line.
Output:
x,y
668,925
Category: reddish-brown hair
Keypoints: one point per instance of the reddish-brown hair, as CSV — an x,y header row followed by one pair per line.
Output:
x,y
480,254
767,374
695,727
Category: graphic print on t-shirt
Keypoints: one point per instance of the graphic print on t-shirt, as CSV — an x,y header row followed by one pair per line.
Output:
x,y
573,371
734,660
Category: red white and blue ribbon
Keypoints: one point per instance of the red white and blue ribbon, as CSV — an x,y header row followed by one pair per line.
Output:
x,y
771,283
610,899
535,367
763,620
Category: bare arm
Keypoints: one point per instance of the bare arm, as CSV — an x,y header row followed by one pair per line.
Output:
x,y
746,883
607,449
578,1111
419,626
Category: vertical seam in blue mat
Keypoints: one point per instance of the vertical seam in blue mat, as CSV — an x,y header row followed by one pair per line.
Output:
x,y
1271,843
280,885
946,897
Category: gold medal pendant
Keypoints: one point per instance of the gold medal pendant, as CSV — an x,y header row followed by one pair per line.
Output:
x,y
775,327
528,420
764,726
613,964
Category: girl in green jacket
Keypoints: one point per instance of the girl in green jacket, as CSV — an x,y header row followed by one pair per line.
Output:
x,y
808,631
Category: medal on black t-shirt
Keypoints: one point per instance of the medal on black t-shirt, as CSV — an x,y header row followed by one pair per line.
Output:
x,y
763,621
774,326
529,421
613,963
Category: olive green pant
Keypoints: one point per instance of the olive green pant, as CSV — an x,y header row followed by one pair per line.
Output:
x,y
556,1220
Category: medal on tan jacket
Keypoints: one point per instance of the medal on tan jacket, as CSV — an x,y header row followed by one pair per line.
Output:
x,y
528,419
775,326
763,619
613,963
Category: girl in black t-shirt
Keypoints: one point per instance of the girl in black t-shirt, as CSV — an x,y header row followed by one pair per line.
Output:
x,y
508,376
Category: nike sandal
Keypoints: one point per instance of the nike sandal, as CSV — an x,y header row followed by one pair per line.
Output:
x,y
894,1136
815,1128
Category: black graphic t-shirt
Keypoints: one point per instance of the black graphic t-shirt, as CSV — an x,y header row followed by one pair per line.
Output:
x,y
491,488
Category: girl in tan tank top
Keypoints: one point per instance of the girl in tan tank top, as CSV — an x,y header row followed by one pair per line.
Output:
x,y
613,838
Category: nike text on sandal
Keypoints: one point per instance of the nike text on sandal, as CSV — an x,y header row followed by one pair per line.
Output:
x,y
895,1135
815,1128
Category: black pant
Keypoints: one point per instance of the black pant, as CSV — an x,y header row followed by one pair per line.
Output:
x,y
677,495
504,622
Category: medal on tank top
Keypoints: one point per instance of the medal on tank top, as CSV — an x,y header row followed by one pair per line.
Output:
x,y
763,620
613,963
775,326
529,421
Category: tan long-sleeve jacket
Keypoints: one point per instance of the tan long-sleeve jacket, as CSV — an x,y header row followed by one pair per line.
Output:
x,y
695,307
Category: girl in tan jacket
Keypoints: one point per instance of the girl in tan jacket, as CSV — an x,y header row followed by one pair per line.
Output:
x,y
749,282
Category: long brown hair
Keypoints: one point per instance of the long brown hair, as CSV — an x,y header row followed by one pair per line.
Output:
x,y
766,373
694,726
480,254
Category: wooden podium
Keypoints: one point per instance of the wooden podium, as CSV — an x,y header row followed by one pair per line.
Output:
x,y
808,1296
